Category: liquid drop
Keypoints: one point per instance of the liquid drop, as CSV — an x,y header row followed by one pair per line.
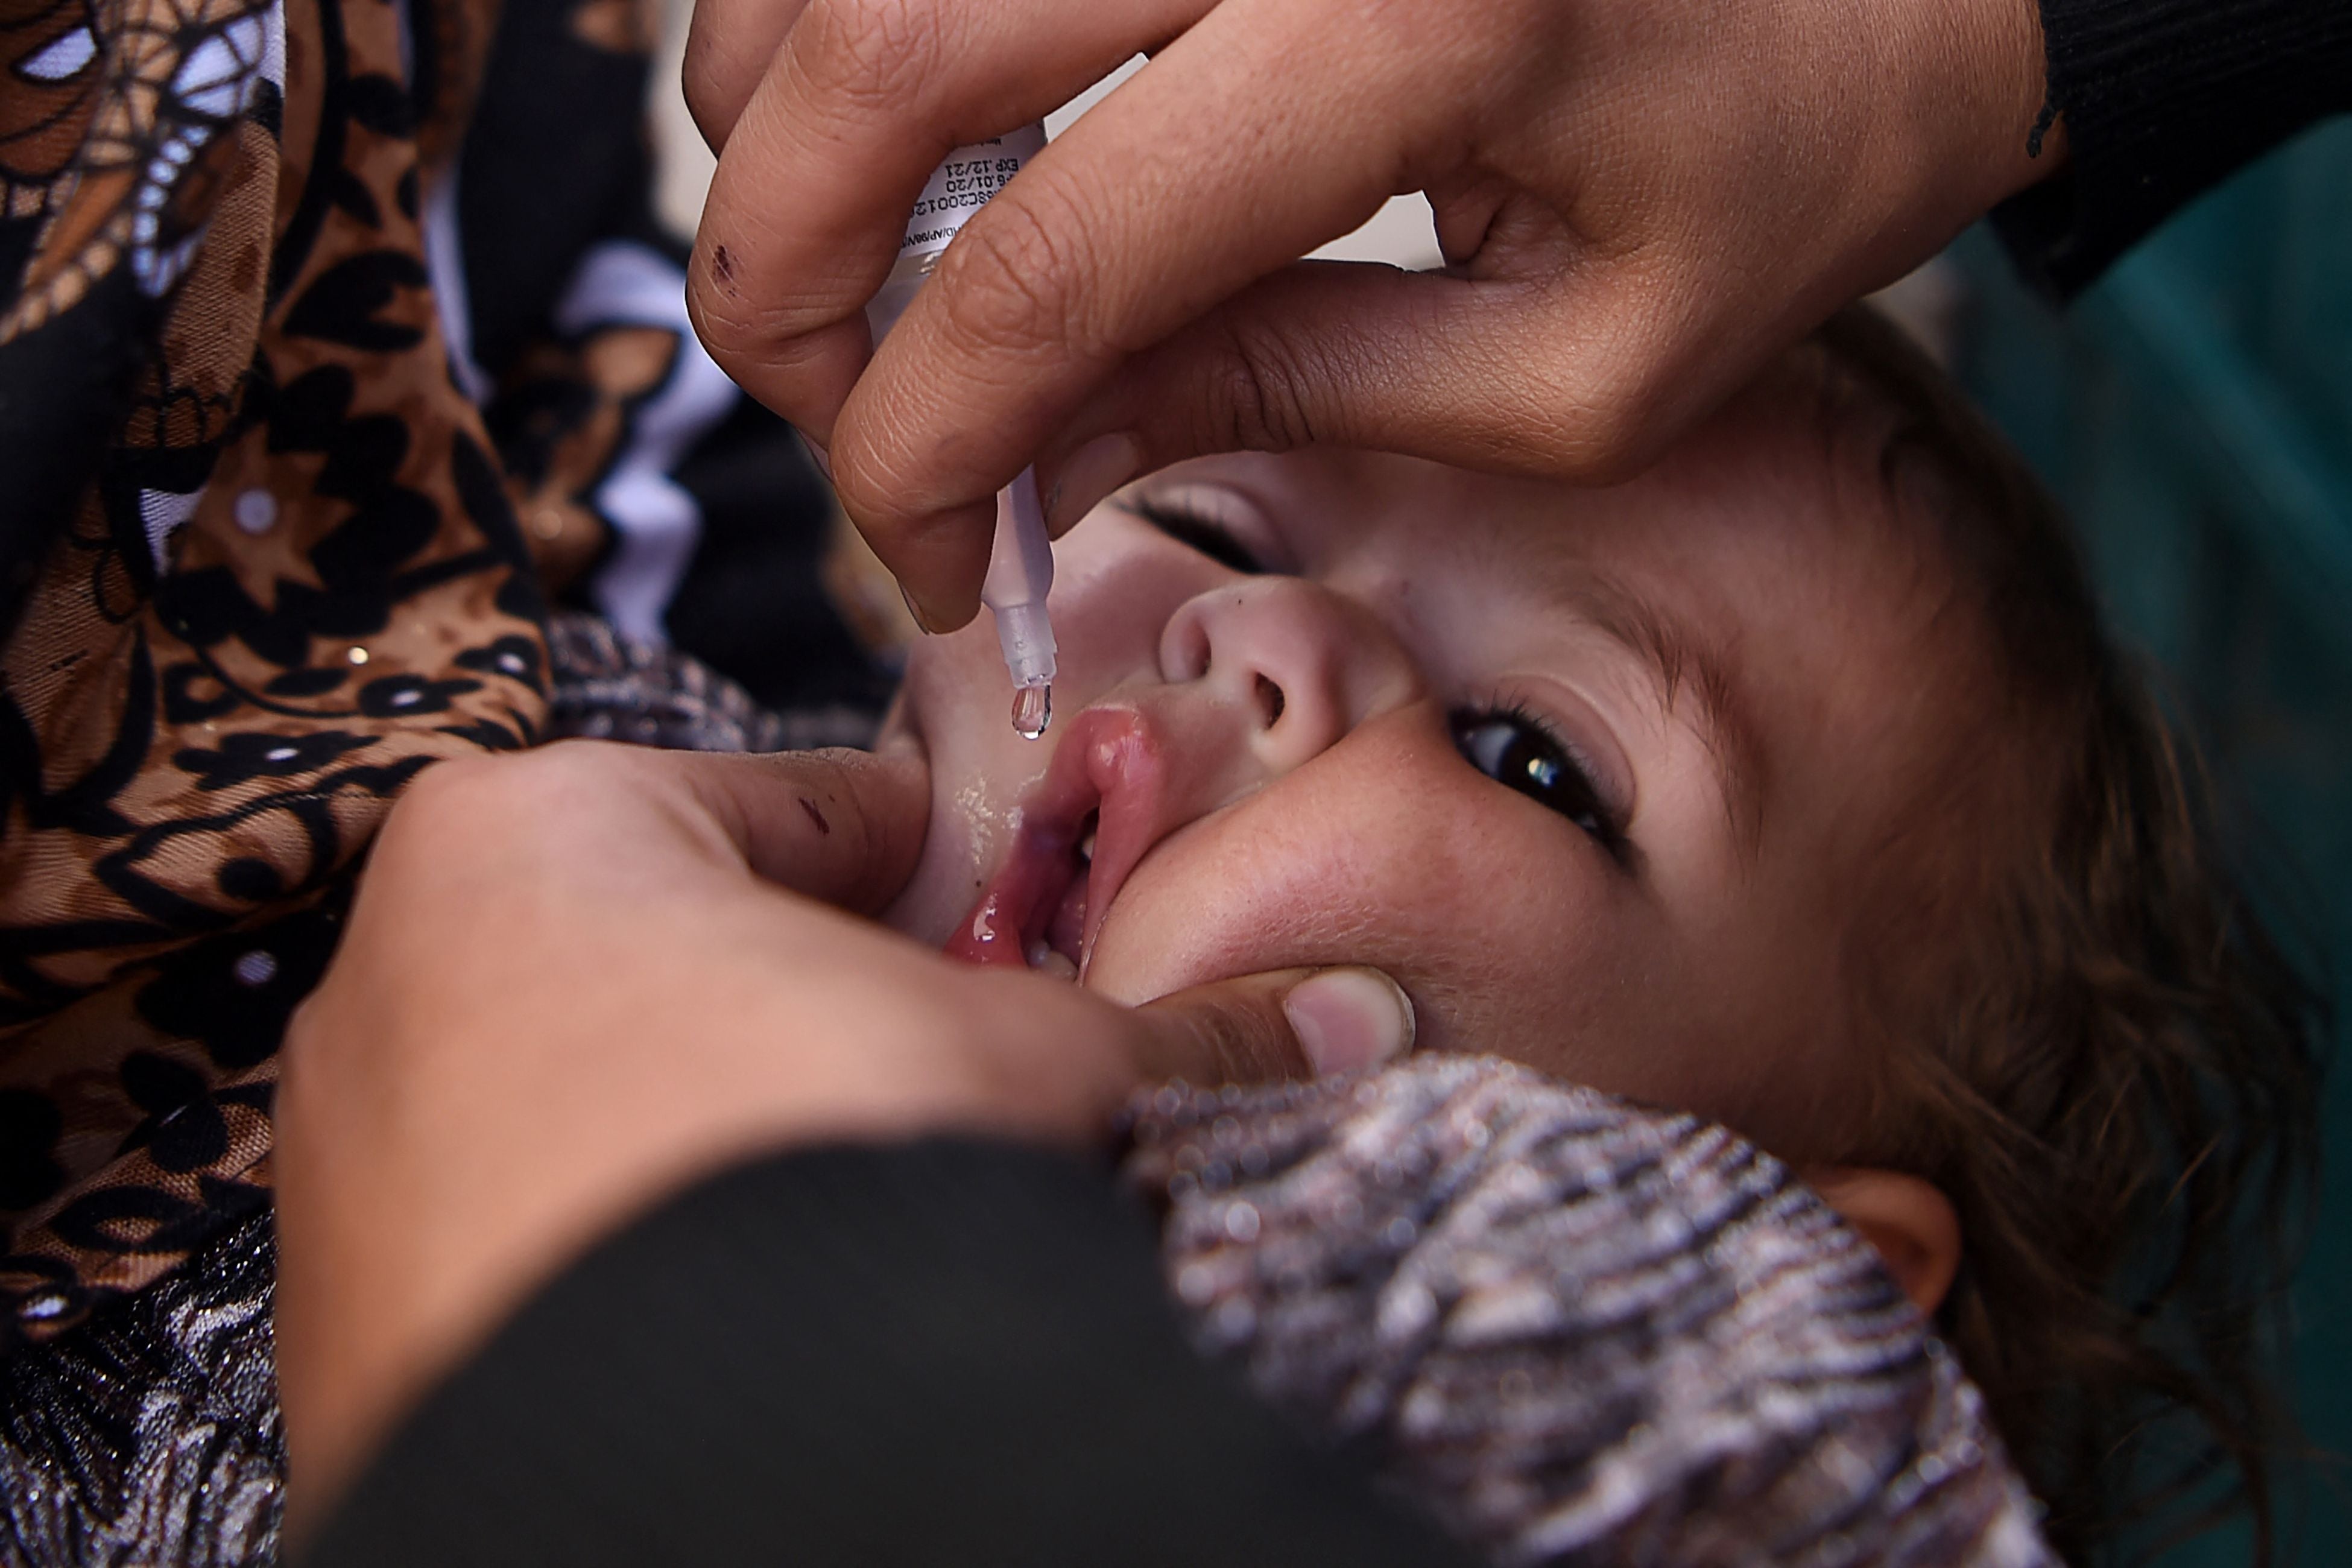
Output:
x,y
1033,709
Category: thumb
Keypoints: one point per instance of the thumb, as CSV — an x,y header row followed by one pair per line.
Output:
x,y
1286,1024
1562,375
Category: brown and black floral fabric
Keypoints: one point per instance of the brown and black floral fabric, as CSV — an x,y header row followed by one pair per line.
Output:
x,y
319,362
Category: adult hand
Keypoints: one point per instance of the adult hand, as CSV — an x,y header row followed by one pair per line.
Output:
x,y
1641,201
576,980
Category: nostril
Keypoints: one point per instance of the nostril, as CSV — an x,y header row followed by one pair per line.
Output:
x,y
1184,650
1269,701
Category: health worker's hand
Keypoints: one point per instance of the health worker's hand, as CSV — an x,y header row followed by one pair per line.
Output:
x,y
1641,201
574,981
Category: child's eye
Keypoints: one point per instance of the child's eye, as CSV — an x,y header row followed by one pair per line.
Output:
x,y
1519,750
1197,532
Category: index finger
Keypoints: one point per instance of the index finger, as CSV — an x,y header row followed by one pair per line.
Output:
x,y
729,46
839,826
821,166
1260,133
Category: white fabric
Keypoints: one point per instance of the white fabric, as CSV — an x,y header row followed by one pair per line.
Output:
x,y
622,283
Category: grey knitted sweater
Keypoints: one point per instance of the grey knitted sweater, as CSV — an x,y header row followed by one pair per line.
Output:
x,y
1576,1331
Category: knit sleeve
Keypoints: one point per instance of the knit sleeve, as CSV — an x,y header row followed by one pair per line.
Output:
x,y
1575,1329
2162,100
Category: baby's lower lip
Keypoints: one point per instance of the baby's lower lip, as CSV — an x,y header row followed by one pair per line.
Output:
x,y
1033,912
1044,902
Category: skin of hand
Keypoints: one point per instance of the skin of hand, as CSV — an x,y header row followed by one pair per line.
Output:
x,y
576,980
1640,201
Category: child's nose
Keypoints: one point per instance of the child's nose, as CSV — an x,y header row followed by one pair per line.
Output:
x,y
1305,665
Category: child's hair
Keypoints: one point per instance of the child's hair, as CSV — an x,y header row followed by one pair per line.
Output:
x,y
2085,1039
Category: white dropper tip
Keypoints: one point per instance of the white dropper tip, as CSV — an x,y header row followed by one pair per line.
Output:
x,y
1020,573
1027,638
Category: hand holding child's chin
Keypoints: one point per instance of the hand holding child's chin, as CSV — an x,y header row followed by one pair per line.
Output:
x,y
576,980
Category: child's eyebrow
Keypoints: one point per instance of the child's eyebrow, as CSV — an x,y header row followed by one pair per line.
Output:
x,y
1680,661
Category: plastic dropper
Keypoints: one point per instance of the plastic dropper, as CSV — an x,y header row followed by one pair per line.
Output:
x,y
1019,572
1021,560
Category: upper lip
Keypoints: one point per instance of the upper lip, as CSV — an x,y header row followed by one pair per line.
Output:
x,y
1112,763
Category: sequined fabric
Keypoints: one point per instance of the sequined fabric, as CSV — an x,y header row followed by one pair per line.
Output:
x,y
150,1435
1579,1331
615,687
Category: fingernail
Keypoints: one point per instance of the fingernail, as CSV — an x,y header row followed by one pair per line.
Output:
x,y
1092,472
817,455
1346,1019
922,622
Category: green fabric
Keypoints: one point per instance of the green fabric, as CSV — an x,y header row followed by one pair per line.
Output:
x,y
2194,411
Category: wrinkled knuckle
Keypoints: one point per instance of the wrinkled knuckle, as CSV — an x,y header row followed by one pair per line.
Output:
x,y
734,332
1269,1052
872,53
1258,399
1231,1055
1225,1048
1007,281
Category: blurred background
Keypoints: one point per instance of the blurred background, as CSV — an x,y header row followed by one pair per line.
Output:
x,y
2194,411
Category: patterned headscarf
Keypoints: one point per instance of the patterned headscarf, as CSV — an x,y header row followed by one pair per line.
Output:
x,y
264,553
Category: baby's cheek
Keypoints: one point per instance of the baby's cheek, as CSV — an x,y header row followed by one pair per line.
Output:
x,y
1498,919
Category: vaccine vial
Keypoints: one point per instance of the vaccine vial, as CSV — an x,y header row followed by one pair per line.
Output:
x,y
1021,562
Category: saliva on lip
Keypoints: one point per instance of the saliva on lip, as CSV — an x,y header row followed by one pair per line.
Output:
x,y
1033,710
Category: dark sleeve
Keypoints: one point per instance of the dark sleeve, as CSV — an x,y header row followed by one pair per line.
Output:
x,y
2163,99
945,1353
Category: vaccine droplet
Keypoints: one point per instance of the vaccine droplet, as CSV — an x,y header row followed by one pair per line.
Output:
x,y
1033,709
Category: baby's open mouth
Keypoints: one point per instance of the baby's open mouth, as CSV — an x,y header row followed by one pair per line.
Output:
x,y
1057,950
1088,822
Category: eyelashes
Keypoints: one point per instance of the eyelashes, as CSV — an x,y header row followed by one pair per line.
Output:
x,y
1508,742
1522,752
1196,532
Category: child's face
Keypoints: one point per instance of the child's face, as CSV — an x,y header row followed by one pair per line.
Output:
x,y
1592,774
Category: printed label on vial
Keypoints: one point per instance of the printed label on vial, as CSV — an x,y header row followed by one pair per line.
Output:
x,y
961,186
